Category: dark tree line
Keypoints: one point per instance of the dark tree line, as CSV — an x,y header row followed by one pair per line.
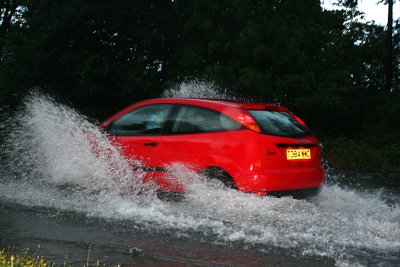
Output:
x,y
102,55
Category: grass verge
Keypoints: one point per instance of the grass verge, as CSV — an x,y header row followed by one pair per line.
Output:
x,y
9,257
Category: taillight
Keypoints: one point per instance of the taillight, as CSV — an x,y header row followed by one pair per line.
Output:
x,y
247,121
243,118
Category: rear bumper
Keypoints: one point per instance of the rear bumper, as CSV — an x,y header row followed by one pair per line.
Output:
x,y
282,180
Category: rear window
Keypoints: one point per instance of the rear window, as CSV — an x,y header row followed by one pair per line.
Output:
x,y
279,123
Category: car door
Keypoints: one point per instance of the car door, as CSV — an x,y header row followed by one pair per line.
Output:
x,y
138,133
200,137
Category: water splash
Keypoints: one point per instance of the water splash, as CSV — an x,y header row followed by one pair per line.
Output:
x,y
52,143
51,164
198,89
195,88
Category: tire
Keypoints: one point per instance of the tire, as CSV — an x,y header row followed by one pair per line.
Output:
x,y
216,173
170,196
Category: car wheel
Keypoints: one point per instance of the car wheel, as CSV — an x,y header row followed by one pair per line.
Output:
x,y
170,196
219,174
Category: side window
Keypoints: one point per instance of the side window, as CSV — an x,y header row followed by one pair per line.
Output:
x,y
191,119
148,120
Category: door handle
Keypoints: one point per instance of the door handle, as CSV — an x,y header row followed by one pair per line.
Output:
x,y
151,144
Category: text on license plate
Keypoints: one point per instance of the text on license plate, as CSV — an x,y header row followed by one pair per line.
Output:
x,y
298,154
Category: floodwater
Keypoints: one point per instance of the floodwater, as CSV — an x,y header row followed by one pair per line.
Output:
x,y
56,193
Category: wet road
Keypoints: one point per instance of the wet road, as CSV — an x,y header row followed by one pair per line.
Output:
x,y
68,238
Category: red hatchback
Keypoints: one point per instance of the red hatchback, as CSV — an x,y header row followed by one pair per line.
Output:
x,y
258,148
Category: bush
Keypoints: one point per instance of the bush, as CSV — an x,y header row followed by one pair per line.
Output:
x,y
352,154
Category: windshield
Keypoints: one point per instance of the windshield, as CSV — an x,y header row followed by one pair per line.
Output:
x,y
279,123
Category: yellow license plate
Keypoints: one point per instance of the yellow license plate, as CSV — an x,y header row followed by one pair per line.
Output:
x,y
292,154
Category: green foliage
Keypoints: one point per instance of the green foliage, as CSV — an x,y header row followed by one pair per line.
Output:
x,y
11,258
25,258
101,56
360,154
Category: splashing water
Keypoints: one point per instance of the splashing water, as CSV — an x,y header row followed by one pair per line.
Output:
x,y
206,89
51,163
52,143
198,89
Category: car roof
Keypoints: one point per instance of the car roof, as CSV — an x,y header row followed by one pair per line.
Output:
x,y
220,105
213,102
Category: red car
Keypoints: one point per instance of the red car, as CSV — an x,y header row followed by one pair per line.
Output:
x,y
258,148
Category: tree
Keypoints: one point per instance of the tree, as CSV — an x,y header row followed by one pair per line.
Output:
x,y
102,56
389,45
93,55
